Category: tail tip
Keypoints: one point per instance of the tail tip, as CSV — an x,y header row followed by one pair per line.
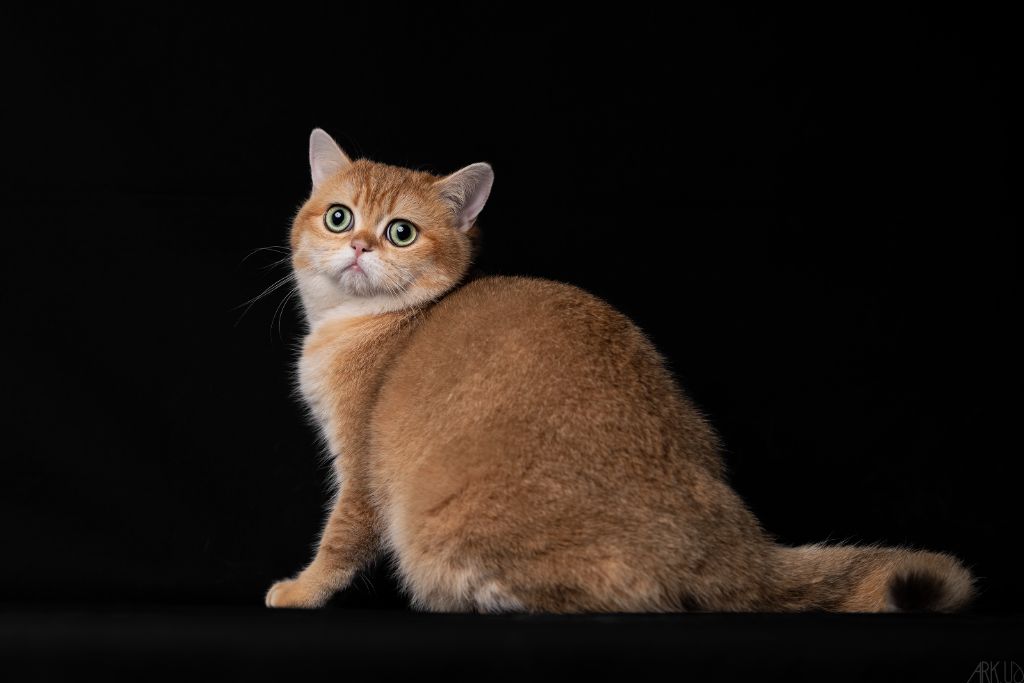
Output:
x,y
947,588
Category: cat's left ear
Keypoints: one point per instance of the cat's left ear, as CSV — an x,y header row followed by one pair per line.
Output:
x,y
325,157
466,191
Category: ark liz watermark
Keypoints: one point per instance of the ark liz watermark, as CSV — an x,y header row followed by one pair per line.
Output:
x,y
997,672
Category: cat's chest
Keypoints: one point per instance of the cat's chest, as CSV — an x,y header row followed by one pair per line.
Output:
x,y
327,376
314,374
340,367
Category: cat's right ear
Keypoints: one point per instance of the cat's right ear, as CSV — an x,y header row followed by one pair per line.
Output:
x,y
466,192
325,157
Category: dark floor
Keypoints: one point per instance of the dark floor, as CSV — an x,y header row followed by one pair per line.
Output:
x,y
252,643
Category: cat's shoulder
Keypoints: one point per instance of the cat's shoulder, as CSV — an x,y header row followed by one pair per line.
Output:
x,y
506,289
518,298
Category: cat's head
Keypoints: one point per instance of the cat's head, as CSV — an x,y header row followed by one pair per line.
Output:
x,y
373,238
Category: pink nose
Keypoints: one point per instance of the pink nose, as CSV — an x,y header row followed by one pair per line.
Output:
x,y
360,246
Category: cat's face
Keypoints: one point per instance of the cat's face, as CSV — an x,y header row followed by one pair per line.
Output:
x,y
374,238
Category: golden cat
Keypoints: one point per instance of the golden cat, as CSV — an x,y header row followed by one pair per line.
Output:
x,y
517,444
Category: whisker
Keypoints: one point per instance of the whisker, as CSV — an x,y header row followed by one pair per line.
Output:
x,y
277,263
279,311
266,291
272,288
280,249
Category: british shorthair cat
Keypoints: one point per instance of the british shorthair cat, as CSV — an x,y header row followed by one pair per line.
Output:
x,y
518,445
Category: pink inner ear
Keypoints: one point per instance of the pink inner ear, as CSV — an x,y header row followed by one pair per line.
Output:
x,y
326,158
468,190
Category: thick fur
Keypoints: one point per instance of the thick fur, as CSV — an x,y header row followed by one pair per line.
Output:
x,y
518,445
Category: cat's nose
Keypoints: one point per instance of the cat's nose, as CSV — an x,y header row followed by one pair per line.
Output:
x,y
360,246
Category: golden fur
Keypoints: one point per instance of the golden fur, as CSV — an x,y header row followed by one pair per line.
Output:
x,y
518,445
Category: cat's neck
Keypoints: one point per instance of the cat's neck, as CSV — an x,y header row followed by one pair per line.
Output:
x,y
361,307
323,302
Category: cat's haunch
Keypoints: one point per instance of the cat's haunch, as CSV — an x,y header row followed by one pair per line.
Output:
x,y
518,444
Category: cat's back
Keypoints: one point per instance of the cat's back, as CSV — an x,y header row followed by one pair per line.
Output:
x,y
503,358
526,318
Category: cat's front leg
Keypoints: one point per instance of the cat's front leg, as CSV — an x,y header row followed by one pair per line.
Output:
x,y
349,542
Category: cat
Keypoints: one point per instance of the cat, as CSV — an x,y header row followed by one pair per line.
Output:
x,y
518,445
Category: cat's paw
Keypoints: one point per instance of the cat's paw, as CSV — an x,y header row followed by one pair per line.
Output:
x,y
294,593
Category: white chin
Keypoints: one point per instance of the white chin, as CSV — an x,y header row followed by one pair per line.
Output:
x,y
357,283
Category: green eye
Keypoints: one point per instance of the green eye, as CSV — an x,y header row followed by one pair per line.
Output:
x,y
338,218
401,233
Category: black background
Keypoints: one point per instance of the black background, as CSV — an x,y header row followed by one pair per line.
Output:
x,y
806,210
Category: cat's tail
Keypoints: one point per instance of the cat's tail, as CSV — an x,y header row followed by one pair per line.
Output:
x,y
871,579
